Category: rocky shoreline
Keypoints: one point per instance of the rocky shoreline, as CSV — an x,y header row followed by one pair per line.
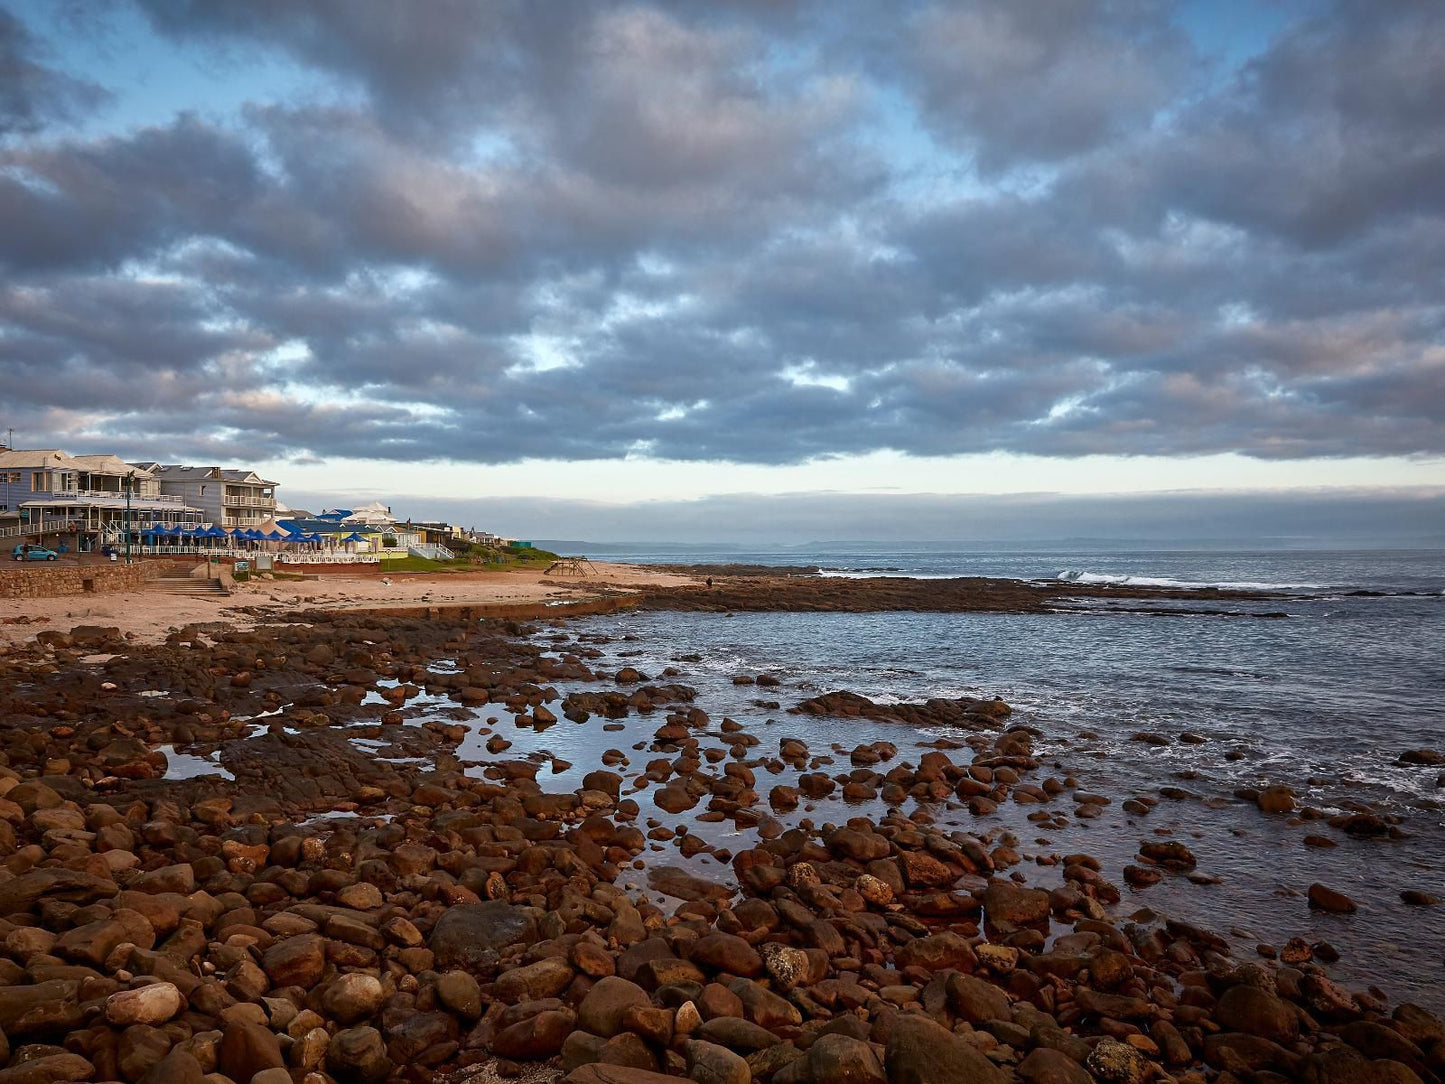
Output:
x,y
360,883
742,588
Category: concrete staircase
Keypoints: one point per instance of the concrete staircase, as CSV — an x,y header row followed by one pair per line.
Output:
x,y
183,583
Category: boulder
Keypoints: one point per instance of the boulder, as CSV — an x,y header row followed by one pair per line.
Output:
x,y
295,961
153,1004
708,1063
1047,1066
538,1036
246,1049
1251,1010
842,1059
975,1000
547,977
1324,898
602,1010
468,933
48,1069
358,1056
726,952
353,997
1004,901
921,1052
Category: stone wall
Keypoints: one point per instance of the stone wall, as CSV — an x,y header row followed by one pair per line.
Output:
x,y
49,580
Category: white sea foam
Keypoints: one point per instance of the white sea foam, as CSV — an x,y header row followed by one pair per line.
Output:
x,y
1127,580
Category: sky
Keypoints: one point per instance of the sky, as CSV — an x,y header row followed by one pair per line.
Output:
x,y
772,269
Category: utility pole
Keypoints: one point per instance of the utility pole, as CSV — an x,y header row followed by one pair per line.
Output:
x,y
129,485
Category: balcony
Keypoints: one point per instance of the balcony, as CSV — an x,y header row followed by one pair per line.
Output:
x,y
116,494
238,501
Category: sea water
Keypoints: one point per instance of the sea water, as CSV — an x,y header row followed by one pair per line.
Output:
x,y
1323,700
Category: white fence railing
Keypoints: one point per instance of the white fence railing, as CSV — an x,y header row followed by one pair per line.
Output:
x,y
49,526
431,551
82,494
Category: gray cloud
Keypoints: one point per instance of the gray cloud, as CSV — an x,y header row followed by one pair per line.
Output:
x,y
725,232
34,95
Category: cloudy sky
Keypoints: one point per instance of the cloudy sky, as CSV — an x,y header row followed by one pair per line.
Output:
x,y
720,253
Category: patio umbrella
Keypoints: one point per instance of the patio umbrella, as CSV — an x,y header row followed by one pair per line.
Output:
x,y
274,536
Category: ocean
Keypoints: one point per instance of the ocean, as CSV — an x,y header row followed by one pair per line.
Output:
x,y
1323,700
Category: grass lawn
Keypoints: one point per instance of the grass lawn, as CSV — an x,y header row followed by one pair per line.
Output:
x,y
511,558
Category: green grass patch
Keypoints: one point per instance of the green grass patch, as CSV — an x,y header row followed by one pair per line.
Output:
x,y
478,560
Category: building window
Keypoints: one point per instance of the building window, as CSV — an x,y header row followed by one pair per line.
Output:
x,y
37,481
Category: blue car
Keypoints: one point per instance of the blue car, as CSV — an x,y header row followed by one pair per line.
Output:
x,y
27,552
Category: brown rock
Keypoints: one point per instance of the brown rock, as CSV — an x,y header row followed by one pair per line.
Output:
x,y
1004,901
467,933
295,961
1046,1066
726,952
358,1056
975,1000
545,978
921,1052
603,1008
538,1036
708,1063
1251,1010
1324,898
246,1049
48,1069
353,997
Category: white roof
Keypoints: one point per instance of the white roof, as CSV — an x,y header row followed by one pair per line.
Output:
x,y
55,459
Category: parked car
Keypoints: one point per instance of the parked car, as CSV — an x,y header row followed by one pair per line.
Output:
x,y
26,552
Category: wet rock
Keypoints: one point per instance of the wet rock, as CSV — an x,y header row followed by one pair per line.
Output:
x,y
726,952
246,1049
842,1059
153,1004
358,1056
538,1036
1113,1062
1046,1066
975,1000
1171,854
921,1052
45,1007
177,1067
1251,1010
1421,757
736,1033
1004,901
603,1008
48,1069
617,1074
1276,799
708,1063
468,933
460,993
353,997
1324,898
295,961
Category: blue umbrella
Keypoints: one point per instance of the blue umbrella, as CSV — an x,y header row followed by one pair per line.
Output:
x,y
274,536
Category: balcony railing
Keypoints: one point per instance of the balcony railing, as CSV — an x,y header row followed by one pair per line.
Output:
x,y
249,502
82,494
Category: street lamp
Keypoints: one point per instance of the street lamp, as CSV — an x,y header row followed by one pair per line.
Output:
x,y
129,485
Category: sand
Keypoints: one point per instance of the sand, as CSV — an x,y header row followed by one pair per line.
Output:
x,y
148,616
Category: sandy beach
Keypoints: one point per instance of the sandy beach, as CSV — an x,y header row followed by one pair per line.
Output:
x,y
149,616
